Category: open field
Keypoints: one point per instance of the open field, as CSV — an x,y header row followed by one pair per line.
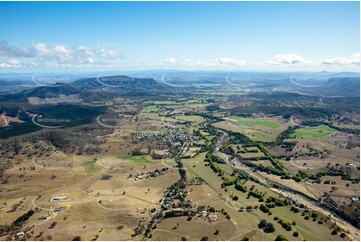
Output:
x,y
91,167
171,170
160,102
316,132
254,122
190,118
201,194
256,133
149,109
138,160
83,187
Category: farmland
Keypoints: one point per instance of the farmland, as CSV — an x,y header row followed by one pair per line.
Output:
x,y
254,122
183,167
315,132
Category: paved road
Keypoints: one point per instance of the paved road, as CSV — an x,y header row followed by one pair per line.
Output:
x,y
220,141
354,232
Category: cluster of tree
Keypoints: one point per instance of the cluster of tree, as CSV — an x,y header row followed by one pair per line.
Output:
x,y
286,225
244,176
345,175
269,169
264,208
238,138
267,227
280,237
278,202
240,187
300,176
178,213
227,149
285,134
183,174
210,157
255,194
295,209
226,182
23,218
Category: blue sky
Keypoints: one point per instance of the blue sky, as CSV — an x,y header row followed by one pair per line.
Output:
x,y
180,35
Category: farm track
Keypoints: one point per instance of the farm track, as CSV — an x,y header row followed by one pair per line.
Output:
x,y
293,122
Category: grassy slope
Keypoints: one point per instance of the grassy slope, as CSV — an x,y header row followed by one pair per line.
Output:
x,y
257,122
138,160
316,132
148,109
91,167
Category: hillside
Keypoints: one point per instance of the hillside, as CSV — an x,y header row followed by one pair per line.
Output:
x,y
338,86
116,82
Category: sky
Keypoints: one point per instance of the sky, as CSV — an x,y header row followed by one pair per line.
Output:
x,y
279,36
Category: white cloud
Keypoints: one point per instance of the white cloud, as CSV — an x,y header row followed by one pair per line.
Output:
x,y
288,59
108,53
44,55
230,61
63,66
10,64
350,60
65,56
88,60
170,60
191,62
85,51
13,51
59,52
222,61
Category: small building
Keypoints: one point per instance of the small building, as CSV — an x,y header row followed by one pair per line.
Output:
x,y
58,209
20,234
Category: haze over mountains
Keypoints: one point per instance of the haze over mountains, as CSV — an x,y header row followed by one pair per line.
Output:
x,y
20,88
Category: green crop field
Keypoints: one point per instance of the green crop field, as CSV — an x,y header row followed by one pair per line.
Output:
x,y
191,118
149,109
255,122
138,160
315,132
91,167
160,102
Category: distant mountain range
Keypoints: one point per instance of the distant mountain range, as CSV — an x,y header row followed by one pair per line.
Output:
x,y
100,88
338,86
90,89
121,81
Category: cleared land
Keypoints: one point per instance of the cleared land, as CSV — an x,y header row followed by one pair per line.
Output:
x,y
254,122
315,132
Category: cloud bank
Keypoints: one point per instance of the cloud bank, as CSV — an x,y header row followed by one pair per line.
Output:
x,y
43,55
